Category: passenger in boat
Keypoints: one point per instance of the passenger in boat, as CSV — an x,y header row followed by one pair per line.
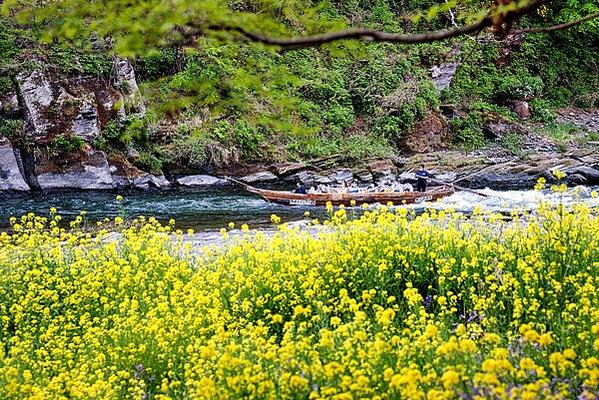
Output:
x,y
300,188
343,188
421,176
408,187
353,188
387,187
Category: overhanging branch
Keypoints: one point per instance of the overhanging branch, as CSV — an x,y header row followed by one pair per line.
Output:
x,y
360,34
500,24
380,36
558,27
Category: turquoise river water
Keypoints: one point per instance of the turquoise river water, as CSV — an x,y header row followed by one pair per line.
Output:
x,y
212,209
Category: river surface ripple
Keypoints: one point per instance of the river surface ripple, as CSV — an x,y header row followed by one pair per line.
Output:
x,y
209,210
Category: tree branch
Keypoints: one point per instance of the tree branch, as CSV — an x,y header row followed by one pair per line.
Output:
x,y
376,35
190,32
557,27
361,34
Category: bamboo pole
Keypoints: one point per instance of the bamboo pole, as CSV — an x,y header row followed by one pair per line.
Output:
x,y
458,187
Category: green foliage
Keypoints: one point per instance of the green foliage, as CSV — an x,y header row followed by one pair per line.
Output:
x,y
189,148
9,51
513,142
157,64
542,111
468,135
388,126
557,68
592,137
69,60
147,161
119,136
65,145
468,130
6,85
519,87
561,132
257,103
12,129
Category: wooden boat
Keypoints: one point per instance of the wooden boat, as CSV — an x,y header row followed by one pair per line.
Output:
x,y
347,199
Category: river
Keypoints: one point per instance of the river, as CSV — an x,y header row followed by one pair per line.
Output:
x,y
210,210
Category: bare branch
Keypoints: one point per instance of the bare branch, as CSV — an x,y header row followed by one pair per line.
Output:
x,y
557,27
189,33
376,35
361,34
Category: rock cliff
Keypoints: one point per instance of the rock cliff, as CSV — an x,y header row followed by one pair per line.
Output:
x,y
53,121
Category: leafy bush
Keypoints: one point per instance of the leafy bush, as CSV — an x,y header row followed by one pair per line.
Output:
x,y
542,111
65,145
469,130
6,85
468,137
513,142
189,148
339,118
390,126
13,130
248,137
157,64
148,162
519,87
119,136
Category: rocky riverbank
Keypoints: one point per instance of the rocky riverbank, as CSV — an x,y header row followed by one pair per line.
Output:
x,y
488,168
493,168
53,126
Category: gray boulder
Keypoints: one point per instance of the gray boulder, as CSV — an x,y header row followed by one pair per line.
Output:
x,y
288,168
521,108
37,97
407,177
383,169
150,181
305,177
86,123
11,178
132,154
342,175
323,180
263,176
501,181
446,177
498,129
591,175
122,182
364,176
443,74
199,181
88,172
576,179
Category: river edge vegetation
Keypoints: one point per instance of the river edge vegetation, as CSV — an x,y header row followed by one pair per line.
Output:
x,y
386,305
220,101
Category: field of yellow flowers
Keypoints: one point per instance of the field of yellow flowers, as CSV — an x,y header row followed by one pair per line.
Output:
x,y
386,305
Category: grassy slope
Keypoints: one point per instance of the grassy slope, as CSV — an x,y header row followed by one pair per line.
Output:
x,y
311,103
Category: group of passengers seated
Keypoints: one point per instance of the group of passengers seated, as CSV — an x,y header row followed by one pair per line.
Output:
x,y
386,186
